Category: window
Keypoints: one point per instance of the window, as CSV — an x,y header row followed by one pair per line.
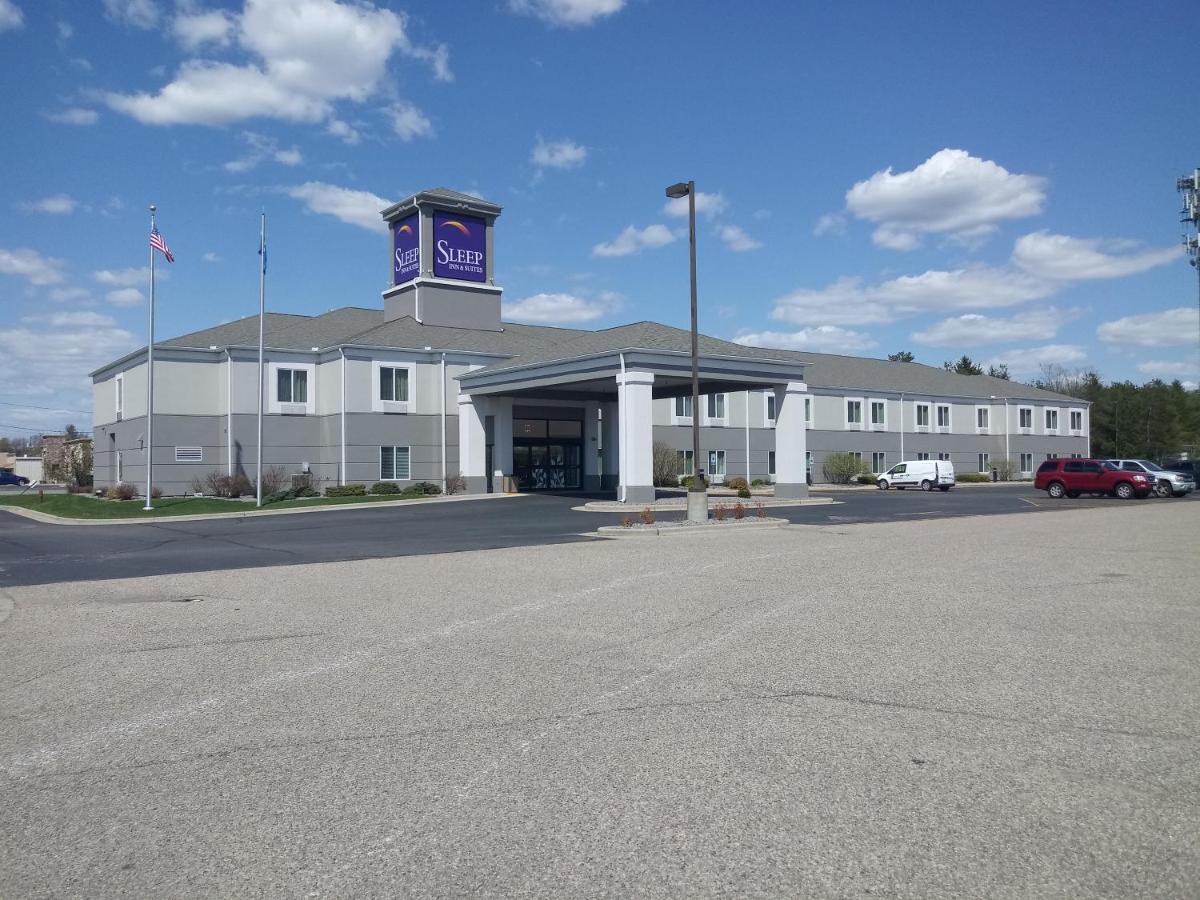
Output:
x,y
1052,421
922,456
393,464
1051,456
1026,463
120,466
878,462
1048,466
985,462
944,457
878,414
854,414
771,463
922,416
120,380
983,416
716,407
943,417
189,454
1076,456
1076,420
683,407
716,463
770,397
1025,418
857,454
393,384
808,411
807,463
291,386
687,463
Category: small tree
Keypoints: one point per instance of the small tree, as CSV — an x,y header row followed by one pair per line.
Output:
x,y
999,371
901,356
1005,469
963,366
842,468
666,465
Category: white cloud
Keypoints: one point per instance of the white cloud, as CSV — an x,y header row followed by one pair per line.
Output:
x,y
75,115
820,339
634,240
952,193
1063,258
11,17
1169,370
361,208
561,308
138,13
31,265
290,157
1169,328
94,319
262,147
973,329
737,240
69,294
211,257
126,297
194,29
830,223
125,277
564,154
56,205
567,13
438,58
1030,360
342,130
409,122
707,205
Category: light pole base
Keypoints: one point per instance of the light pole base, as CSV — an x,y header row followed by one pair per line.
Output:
x,y
697,507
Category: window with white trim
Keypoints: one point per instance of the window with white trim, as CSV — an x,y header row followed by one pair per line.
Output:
x,y
687,463
769,408
291,386
716,463
922,416
921,456
857,454
878,462
716,409
1025,418
943,416
808,461
943,457
1051,421
120,386
683,407
808,411
771,463
1076,421
1051,456
854,413
1026,463
120,466
393,384
983,418
394,464
985,462
878,415
189,454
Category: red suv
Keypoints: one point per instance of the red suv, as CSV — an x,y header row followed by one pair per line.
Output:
x,y
1072,477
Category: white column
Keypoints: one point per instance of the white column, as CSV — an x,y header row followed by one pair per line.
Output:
x,y
636,423
791,440
472,458
610,442
591,443
500,408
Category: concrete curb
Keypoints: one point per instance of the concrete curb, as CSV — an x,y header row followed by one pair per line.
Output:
x,y
48,519
673,505
668,529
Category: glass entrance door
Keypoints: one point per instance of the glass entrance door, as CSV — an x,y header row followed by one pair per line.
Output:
x,y
551,460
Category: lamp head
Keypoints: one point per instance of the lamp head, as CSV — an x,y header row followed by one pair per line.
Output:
x,y
676,191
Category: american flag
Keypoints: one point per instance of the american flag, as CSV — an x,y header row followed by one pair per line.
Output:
x,y
157,242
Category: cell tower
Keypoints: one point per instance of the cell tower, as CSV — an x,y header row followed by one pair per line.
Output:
x,y
1189,187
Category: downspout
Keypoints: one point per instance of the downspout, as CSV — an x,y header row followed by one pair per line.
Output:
x,y
1007,454
747,437
902,426
228,411
622,460
342,467
443,420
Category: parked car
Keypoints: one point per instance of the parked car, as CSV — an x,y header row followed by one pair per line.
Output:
x,y
1166,483
926,474
1072,477
1188,466
8,476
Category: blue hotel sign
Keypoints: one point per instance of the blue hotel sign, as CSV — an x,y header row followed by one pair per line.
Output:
x,y
406,249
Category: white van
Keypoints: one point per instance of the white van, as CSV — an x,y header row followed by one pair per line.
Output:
x,y
925,474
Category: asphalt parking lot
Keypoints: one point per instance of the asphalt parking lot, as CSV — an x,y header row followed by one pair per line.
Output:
x,y
1000,706
36,553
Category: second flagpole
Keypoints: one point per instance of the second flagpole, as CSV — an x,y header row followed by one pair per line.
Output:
x,y
262,295
150,381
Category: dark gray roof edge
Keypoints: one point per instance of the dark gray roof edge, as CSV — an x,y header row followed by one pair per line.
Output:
x,y
492,370
443,198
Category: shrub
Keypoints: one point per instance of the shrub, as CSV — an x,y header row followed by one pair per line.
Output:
x,y
647,516
739,510
428,488
972,477
686,481
1005,469
156,492
720,511
455,484
627,522
384,487
868,478
274,480
758,482
840,468
736,484
346,490
121,491
760,509
744,493
666,465
218,484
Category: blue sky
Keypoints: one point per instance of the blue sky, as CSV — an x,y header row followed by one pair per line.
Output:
x,y
991,179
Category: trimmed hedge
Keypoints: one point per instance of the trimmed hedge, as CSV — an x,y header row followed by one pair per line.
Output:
x,y
972,477
384,487
346,490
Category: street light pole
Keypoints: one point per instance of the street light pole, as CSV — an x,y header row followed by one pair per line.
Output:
x,y
698,490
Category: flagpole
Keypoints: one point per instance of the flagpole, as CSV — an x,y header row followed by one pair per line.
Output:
x,y
262,295
150,381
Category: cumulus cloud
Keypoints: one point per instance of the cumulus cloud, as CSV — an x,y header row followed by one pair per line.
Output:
x,y
194,29
951,193
126,297
1169,328
634,240
562,309
973,329
1029,361
564,154
707,205
93,319
567,13
75,115
126,277
260,148
736,239
70,295
55,205
1063,258
31,265
11,17
361,208
141,14
830,223
819,339
409,122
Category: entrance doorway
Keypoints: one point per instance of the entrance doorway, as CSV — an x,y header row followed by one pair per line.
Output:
x,y
548,454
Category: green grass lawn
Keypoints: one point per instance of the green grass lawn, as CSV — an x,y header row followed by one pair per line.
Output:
x,y
81,506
